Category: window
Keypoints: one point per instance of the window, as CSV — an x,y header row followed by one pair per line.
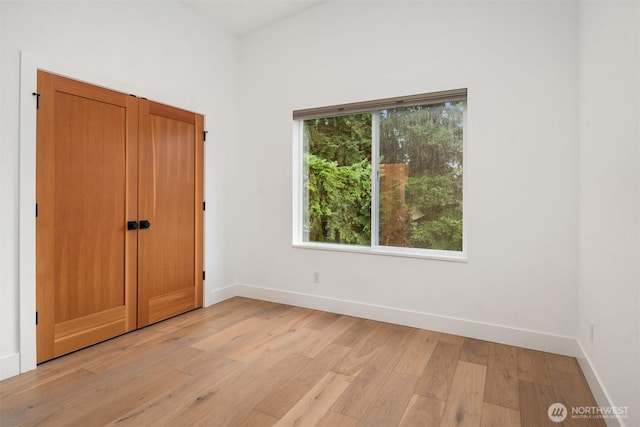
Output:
x,y
383,176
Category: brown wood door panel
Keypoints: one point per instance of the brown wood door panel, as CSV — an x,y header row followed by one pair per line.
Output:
x,y
87,330
170,198
86,190
105,158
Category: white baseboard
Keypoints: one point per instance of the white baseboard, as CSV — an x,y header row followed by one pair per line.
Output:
x,y
489,332
218,295
9,365
599,392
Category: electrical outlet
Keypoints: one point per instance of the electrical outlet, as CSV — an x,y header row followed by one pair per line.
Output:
x,y
591,331
316,277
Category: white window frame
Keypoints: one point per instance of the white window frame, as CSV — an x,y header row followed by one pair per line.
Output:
x,y
374,108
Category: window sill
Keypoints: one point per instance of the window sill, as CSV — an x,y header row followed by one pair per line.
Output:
x,y
387,251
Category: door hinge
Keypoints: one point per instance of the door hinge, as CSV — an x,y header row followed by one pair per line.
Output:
x,y
36,317
203,274
204,135
204,206
36,210
37,95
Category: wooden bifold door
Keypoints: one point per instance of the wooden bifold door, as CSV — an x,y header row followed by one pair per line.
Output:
x,y
119,213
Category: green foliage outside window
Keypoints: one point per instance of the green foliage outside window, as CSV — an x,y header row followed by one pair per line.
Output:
x,y
420,177
429,140
338,179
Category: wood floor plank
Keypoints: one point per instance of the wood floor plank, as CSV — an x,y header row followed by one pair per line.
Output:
x,y
464,405
357,358
245,332
422,411
176,323
258,419
572,390
35,402
312,407
170,403
561,363
358,332
322,319
283,398
148,350
501,386
418,352
203,362
438,374
362,391
242,332
110,402
532,366
272,310
475,351
285,334
535,400
47,372
218,316
367,348
390,402
497,416
217,406
62,366
397,335
319,340
451,339
336,419
227,318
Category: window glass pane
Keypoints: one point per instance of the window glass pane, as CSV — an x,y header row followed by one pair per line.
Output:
x,y
420,187
337,180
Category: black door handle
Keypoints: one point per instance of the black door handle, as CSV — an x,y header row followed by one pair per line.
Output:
x,y
144,224
132,225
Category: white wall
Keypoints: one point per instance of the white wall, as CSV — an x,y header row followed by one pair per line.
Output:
x,y
610,198
519,62
162,51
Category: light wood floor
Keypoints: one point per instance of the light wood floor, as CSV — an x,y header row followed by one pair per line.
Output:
x,y
254,363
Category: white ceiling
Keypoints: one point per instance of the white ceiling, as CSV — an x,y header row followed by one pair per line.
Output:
x,y
242,17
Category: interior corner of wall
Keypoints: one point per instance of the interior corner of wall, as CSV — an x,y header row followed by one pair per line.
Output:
x,y
595,384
